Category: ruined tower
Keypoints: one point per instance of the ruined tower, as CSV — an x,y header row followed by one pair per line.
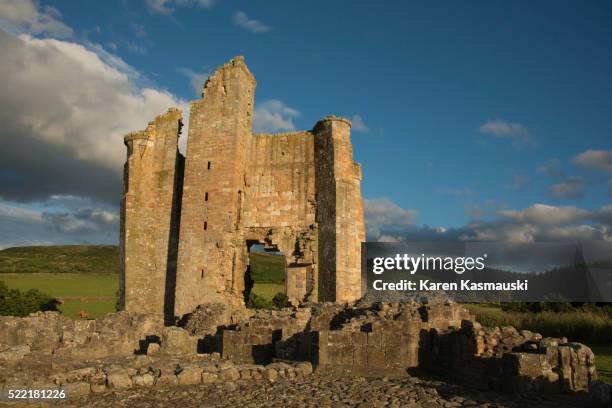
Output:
x,y
296,192
150,211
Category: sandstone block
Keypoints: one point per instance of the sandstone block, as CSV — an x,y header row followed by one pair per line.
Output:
x,y
230,374
270,374
208,377
303,368
143,380
190,376
119,380
166,379
178,341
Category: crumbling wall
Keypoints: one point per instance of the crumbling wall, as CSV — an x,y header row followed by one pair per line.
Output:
x,y
150,212
506,359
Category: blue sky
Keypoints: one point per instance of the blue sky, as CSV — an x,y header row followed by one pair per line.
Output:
x,y
487,112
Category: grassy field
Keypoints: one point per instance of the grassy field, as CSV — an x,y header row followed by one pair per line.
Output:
x,y
589,327
268,290
92,293
603,360
60,259
267,267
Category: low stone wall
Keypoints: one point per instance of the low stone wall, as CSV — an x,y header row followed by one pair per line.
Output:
x,y
160,371
506,359
50,333
381,339
267,335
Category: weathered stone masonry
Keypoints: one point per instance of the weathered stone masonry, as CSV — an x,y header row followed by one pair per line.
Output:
x,y
297,192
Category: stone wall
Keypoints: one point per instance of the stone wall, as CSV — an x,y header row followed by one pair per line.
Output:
x,y
506,359
150,211
384,339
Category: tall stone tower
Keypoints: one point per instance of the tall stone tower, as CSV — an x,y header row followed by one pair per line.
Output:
x,y
218,145
150,212
296,192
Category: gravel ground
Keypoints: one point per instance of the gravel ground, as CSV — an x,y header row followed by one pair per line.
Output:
x,y
323,391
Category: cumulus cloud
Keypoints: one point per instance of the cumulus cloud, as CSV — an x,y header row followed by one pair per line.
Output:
x,y
241,19
536,223
571,187
73,221
518,134
66,107
274,116
358,124
595,159
82,221
24,16
382,213
168,6
543,214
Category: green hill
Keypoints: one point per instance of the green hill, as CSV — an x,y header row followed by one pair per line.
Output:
x,y
60,259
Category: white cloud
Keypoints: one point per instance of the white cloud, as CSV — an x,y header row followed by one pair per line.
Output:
x,y
18,213
546,214
552,168
69,220
571,187
66,108
382,211
274,116
241,19
516,132
196,79
167,6
358,124
595,159
24,16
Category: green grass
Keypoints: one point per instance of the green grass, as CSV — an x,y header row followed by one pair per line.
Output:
x,y
65,285
603,360
60,259
268,290
267,267
92,293
94,308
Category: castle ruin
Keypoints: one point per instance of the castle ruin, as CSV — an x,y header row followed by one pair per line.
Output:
x,y
187,223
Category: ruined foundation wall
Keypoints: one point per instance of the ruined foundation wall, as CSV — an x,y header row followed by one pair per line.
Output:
x,y
149,214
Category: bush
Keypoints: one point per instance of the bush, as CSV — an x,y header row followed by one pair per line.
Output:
x,y
280,300
16,303
258,302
